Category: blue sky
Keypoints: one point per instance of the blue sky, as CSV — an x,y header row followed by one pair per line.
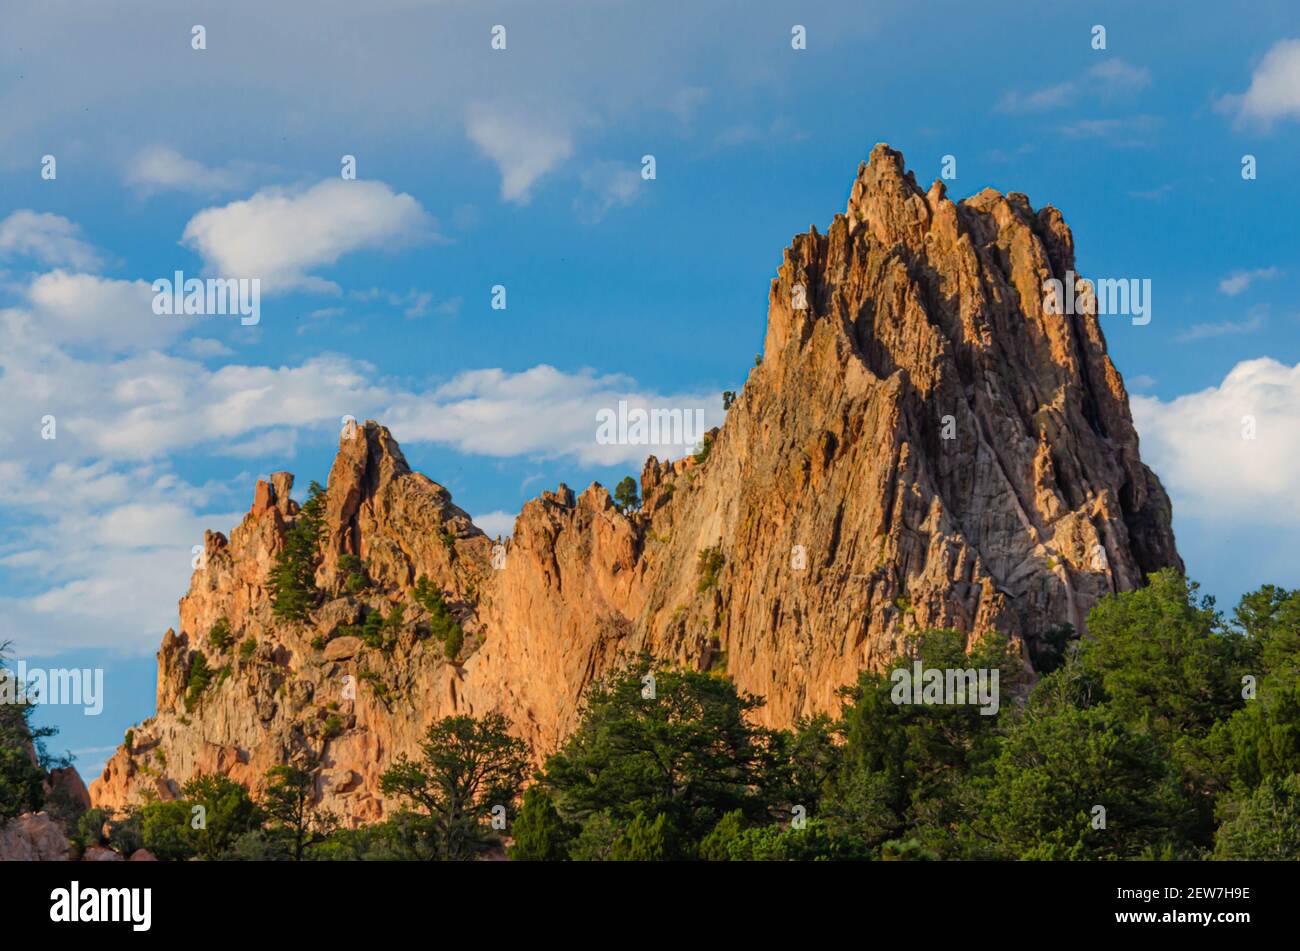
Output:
x,y
520,167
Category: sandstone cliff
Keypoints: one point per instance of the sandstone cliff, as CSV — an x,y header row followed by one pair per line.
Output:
x,y
922,445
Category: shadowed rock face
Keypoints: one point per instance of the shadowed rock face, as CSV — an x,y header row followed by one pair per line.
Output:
x,y
922,446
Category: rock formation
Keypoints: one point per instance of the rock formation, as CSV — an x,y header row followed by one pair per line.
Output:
x,y
32,837
922,445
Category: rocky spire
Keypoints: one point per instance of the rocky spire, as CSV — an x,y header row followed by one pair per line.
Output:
x,y
923,445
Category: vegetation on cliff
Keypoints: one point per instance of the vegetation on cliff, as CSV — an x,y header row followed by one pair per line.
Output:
x,y
293,578
1171,732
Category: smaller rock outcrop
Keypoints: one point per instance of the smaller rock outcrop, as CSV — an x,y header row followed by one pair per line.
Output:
x,y
33,837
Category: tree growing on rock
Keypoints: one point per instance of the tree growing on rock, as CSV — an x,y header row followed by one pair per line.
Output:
x,y
625,497
293,577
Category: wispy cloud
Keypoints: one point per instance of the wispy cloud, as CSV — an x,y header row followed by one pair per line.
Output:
x,y
1227,328
1105,80
1238,281
160,168
1127,132
606,186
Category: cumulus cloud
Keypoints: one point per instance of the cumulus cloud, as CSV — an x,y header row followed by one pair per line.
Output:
x,y
160,168
149,404
524,150
541,412
497,524
84,310
1195,443
279,234
80,539
49,240
91,513
1274,91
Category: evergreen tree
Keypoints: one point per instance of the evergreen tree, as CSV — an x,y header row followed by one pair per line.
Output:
x,y
625,495
293,577
1080,783
540,834
685,749
467,769
23,762
442,622
289,803
645,840
227,812
1261,825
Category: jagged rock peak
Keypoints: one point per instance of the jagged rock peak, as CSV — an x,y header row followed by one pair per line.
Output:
x,y
923,445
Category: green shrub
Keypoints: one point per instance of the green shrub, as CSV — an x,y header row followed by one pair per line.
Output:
x,y
455,641
442,623
371,631
220,637
710,563
702,454
198,680
355,575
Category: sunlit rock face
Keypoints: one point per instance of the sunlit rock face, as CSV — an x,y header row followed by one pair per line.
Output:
x,y
925,444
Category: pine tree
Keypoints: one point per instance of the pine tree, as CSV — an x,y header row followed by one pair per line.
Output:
x,y
625,498
540,834
293,579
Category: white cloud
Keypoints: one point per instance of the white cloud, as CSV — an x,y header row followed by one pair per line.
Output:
x,y
541,412
89,514
279,235
78,543
524,150
414,303
83,310
1274,91
50,240
1194,442
161,168
149,404
1238,281
497,524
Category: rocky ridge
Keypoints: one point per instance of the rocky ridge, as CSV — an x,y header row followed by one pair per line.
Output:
x,y
922,445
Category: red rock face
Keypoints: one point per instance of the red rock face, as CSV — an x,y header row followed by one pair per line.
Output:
x,y
922,446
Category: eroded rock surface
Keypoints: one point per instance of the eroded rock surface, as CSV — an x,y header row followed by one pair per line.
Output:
x,y
922,445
